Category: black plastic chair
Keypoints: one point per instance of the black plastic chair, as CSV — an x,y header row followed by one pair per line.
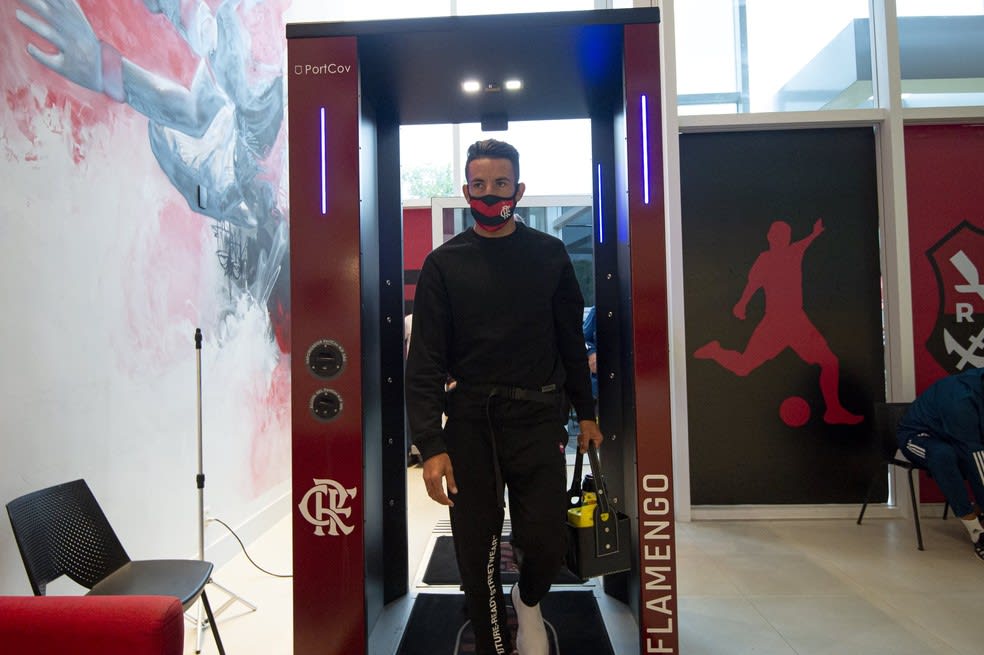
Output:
x,y
886,420
62,530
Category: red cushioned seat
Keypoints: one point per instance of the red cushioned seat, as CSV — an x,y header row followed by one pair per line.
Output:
x,y
96,625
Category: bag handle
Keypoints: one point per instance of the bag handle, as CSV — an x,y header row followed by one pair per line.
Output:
x,y
574,493
600,487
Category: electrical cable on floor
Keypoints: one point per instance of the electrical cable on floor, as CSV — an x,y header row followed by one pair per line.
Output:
x,y
243,546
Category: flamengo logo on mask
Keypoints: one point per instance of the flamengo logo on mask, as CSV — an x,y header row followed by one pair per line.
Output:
x,y
330,500
322,69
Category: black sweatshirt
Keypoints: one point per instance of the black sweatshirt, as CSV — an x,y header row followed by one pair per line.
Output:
x,y
494,311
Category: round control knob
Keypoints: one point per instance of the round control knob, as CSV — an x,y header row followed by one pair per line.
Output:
x,y
325,359
326,404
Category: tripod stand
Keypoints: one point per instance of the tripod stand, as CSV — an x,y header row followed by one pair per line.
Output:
x,y
201,623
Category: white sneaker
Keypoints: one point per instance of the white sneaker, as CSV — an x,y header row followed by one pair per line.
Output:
x,y
531,635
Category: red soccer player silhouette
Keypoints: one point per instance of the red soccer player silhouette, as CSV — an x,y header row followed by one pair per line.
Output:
x,y
778,271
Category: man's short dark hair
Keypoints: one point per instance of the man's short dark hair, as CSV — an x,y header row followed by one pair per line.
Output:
x,y
493,149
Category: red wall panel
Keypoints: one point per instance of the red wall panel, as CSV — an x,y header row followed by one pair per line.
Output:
x,y
417,243
944,169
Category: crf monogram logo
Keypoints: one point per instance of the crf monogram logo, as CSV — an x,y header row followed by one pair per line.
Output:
x,y
330,500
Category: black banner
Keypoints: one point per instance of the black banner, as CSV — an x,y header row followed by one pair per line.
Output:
x,y
783,315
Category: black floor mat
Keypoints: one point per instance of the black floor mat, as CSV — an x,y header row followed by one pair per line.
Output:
x,y
438,625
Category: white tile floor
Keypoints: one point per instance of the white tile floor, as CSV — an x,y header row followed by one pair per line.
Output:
x,y
765,587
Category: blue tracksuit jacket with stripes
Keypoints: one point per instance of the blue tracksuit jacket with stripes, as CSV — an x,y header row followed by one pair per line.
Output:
x,y
951,407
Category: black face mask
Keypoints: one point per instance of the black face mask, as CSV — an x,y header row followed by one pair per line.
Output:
x,y
492,212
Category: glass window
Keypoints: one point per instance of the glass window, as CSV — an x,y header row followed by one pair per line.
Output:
x,y
426,169
554,156
942,52
939,8
772,55
706,49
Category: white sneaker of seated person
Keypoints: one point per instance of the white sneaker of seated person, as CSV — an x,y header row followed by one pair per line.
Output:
x,y
531,635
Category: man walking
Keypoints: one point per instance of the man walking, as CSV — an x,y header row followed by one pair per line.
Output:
x,y
498,310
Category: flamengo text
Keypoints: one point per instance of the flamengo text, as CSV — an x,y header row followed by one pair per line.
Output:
x,y
657,564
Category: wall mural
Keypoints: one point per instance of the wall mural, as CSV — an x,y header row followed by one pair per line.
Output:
x,y
196,89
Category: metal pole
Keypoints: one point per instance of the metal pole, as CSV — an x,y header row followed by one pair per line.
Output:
x,y
201,622
200,478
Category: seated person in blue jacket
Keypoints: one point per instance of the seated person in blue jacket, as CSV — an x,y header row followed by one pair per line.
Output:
x,y
943,430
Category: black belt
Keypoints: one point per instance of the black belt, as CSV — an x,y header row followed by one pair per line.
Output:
x,y
546,394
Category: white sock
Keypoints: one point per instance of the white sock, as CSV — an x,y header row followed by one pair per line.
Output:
x,y
974,528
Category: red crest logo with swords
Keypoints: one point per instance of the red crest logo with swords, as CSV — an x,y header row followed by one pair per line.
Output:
x,y
957,339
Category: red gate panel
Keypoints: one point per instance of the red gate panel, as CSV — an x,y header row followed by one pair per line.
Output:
x,y
328,536
650,334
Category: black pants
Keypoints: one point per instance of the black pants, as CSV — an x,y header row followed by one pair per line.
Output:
x,y
529,440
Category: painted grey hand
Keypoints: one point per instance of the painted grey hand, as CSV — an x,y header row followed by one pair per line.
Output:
x,y
63,24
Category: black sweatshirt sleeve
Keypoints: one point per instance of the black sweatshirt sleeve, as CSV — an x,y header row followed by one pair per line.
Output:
x,y
427,361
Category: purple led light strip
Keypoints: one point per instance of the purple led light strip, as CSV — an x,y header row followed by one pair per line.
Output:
x,y
601,210
324,167
645,150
